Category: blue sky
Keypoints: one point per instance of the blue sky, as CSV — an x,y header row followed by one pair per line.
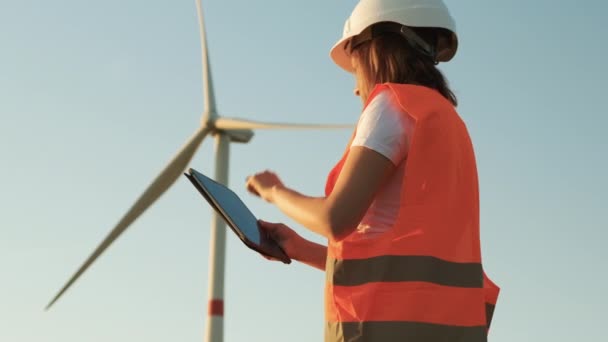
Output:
x,y
95,97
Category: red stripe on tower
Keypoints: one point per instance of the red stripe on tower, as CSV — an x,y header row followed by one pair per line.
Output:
x,y
216,307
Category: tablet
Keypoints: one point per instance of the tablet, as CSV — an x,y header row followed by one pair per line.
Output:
x,y
236,214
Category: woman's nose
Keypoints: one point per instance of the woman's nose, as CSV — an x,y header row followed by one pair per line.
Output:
x,y
357,92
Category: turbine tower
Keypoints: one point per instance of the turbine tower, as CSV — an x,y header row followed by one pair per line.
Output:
x,y
225,131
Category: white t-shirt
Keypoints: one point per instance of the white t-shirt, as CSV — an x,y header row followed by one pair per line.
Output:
x,y
385,128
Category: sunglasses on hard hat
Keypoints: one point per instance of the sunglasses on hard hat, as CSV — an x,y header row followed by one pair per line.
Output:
x,y
379,29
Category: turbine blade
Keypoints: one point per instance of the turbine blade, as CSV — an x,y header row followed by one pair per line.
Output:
x,y
208,93
162,182
232,124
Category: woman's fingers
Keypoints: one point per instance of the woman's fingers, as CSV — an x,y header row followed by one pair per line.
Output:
x,y
251,186
284,236
270,228
270,258
252,190
269,224
275,231
261,184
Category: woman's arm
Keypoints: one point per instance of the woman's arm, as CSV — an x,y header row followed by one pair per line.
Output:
x,y
337,215
312,254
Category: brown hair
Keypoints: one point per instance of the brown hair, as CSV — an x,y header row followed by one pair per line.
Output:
x,y
390,58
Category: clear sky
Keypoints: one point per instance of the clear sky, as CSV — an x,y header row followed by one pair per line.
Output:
x,y
96,96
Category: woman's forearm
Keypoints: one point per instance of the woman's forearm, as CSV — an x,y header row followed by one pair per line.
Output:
x,y
311,212
311,254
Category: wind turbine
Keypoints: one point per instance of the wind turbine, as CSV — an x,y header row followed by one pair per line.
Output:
x,y
225,131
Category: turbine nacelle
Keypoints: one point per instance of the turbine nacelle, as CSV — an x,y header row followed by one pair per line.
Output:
x,y
242,136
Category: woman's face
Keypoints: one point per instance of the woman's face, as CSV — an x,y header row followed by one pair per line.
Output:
x,y
361,84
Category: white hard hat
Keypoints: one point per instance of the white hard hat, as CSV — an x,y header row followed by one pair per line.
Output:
x,y
412,13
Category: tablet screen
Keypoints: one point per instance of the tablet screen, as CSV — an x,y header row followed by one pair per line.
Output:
x,y
232,206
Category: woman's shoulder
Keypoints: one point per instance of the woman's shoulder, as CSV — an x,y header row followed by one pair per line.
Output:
x,y
384,127
414,97
384,102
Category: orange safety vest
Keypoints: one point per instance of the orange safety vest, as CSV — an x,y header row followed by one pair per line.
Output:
x,y
421,281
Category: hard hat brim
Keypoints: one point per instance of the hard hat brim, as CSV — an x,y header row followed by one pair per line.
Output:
x,y
339,55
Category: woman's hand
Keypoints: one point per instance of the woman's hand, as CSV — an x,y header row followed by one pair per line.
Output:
x,y
288,239
263,185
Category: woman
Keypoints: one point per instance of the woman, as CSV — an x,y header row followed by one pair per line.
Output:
x,y
401,211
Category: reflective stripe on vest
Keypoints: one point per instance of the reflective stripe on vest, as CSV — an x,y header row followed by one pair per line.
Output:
x,y
401,331
423,279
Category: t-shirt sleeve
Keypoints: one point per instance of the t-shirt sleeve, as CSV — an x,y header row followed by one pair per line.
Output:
x,y
383,127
